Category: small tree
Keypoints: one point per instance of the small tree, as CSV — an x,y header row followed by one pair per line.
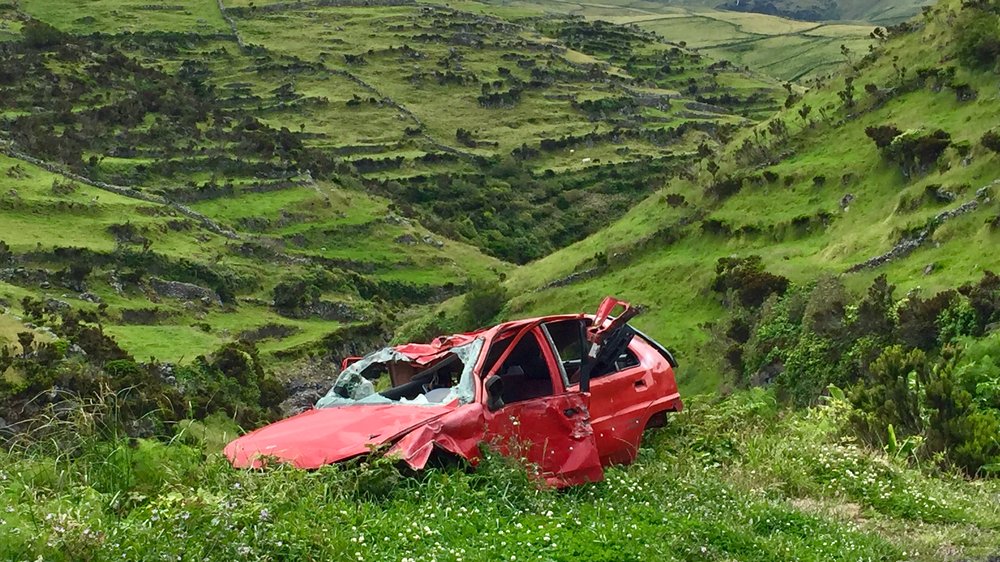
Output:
x,y
26,339
804,112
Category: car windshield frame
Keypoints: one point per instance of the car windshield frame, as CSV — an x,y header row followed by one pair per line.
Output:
x,y
360,390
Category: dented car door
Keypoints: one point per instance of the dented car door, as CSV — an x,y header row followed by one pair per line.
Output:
x,y
531,416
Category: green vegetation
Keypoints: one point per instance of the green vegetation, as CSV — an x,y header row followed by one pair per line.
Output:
x,y
205,206
241,149
736,478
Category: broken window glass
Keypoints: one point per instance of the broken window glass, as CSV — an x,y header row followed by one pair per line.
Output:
x,y
442,380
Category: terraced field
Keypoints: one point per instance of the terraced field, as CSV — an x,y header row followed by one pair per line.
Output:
x,y
786,49
209,161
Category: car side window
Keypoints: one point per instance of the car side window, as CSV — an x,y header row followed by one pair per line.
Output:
x,y
569,339
525,373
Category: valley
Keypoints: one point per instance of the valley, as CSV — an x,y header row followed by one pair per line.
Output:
x,y
207,205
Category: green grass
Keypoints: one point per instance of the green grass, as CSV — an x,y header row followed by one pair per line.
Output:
x,y
735,479
116,16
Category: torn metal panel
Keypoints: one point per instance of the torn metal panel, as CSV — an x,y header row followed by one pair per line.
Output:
x,y
323,436
459,432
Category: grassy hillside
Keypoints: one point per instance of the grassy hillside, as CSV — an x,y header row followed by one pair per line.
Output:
x,y
306,169
305,177
726,480
813,196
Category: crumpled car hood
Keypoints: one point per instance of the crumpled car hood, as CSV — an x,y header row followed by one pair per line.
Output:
x,y
322,436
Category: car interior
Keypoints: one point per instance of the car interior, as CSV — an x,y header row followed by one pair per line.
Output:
x,y
441,375
570,340
524,373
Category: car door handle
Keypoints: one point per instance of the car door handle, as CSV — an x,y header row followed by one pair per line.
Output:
x,y
640,383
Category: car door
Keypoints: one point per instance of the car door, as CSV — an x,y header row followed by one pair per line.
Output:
x,y
619,392
536,419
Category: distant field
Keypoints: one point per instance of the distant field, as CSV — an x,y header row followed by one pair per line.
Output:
x,y
116,16
783,48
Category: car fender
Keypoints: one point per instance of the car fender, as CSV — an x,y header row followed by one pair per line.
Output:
x,y
458,432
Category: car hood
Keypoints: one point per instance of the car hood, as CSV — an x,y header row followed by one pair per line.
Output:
x,y
328,435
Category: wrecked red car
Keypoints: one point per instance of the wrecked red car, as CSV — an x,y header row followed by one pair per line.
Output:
x,y
568,393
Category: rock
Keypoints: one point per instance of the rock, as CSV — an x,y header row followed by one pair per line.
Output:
x,y
930,268
431,241
302,395
393,218
90,297
56,304
406,239
846,200
184,291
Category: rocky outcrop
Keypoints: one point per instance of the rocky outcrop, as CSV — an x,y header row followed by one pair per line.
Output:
x,y
184,291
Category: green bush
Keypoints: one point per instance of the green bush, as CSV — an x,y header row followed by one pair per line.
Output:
x,y
748,280
483,301
977,38
962,399
990,140
776,332
890,395
810,367
231,380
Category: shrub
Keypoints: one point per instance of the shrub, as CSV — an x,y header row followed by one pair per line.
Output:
x,y
825,311
891,395
775,333
747,278
962,399
231,380
484,300
991,140
876,312
977,40
809,368
915,151
39,35
882,134
724,188
918,319
984,298
956,321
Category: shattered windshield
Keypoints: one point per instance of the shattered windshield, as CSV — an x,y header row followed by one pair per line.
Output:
x,y
441,381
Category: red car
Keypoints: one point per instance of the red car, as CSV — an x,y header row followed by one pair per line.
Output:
x,y
569,394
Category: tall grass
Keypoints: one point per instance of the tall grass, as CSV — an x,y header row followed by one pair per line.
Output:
x,y
731,479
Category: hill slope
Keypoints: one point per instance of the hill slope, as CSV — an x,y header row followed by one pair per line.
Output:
x,y
813,195
883,12
304,169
